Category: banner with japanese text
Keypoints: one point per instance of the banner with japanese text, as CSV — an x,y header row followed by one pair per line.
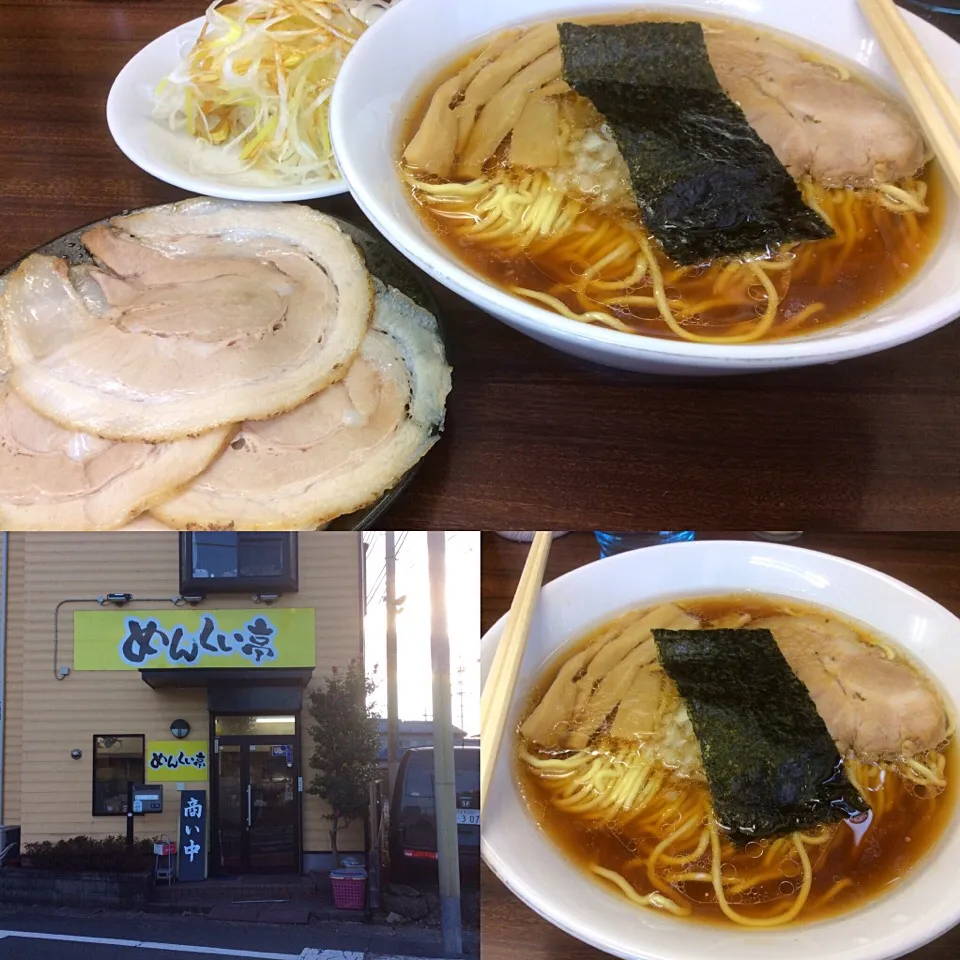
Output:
x,y
178,638
170,761
192,850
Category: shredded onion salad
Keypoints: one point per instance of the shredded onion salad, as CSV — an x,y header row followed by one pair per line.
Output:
x,y
257,84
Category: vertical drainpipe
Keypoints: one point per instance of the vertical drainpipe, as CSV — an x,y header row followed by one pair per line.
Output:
x,y
5,547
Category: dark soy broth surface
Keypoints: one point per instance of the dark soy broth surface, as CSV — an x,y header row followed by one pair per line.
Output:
x,y
872,855
873,255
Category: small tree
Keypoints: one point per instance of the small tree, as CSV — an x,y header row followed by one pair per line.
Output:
x,y
346,741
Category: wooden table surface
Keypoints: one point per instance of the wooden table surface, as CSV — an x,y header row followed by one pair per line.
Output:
x,y
534,438
928,562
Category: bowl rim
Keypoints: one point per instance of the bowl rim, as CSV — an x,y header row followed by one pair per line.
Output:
x,y
918,932
833,344
205,184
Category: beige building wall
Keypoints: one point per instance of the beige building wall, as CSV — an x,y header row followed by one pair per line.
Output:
x,y
46,791
13,685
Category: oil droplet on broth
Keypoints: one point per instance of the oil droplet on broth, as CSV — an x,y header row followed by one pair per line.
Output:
x,y
791,868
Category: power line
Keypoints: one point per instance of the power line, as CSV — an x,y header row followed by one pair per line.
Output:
x,y
381,577
369,539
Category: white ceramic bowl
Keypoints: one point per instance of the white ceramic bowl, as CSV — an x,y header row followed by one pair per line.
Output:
x,y
166,154
917,910
398,57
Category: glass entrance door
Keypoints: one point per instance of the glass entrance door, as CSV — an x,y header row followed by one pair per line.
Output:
x,y
272,808
230,809
257,805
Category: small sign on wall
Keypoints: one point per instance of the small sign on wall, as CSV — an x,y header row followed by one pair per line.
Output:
x,y
192,850
172,761
147,798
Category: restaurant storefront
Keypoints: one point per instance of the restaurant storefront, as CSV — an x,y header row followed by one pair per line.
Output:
x,y
169,674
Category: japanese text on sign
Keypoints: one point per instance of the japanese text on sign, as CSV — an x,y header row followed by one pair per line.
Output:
x,y
145,641
169,760
193,808
193,834
197,639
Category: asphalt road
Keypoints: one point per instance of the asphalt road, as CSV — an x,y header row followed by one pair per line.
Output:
x,y
18,949
193,932
197,938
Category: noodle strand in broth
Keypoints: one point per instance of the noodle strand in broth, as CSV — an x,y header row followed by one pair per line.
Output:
x,y
523,179
604,270
638,809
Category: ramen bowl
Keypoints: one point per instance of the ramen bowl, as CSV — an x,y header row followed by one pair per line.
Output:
x,y
419,38
922,906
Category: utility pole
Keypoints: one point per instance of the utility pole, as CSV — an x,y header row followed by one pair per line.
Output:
x,y
445,788
393,722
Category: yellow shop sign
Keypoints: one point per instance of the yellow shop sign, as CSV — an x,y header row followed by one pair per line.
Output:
x,y
173,760
175,639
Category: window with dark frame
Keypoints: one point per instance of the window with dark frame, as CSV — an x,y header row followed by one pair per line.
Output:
x,y
117,758
227,562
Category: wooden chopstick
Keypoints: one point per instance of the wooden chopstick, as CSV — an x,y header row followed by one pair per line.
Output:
x,y
533,568
497,696
935,106
944,99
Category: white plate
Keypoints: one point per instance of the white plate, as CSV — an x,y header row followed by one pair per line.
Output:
x,y
917,910
165,154
469,817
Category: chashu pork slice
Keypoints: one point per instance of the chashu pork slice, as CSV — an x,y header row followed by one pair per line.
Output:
x,y
204,312
55,479
342,449
875,707
833,128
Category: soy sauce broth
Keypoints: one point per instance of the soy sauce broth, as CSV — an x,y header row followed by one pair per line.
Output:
x,y
874,255
874,855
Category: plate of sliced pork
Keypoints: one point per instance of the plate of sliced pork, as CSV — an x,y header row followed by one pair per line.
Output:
x,y
214,364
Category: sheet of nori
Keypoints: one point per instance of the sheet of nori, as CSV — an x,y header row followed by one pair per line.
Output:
x,y
706,185
769,758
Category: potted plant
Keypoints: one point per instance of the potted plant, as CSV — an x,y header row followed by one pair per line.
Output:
x,y
346,741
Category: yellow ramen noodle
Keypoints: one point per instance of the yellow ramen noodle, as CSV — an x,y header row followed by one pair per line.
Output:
x,y
610,769
549,216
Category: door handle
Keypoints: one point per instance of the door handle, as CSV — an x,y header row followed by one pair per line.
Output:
x,y
249,807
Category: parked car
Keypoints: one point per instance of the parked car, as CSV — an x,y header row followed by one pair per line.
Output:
x,y
413,817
